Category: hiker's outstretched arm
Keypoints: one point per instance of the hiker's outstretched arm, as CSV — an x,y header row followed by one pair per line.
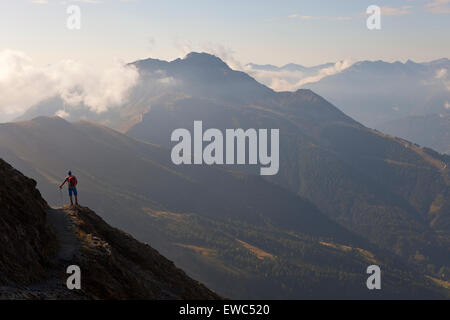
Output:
x,y
65,180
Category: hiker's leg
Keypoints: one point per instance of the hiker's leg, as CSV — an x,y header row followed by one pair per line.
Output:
x,y
75,192
70,196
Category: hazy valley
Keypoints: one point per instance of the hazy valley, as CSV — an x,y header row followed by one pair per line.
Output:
x,y
345,197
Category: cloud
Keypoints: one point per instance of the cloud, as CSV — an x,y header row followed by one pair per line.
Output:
x,y
390,11
442,77
23,83
280,80
62,114
291,80
165,80
305,17
447,105
338,67
98,90
302,17
441,74
223,52
438,6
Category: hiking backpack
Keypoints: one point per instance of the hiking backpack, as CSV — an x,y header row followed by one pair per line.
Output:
x,y
72,181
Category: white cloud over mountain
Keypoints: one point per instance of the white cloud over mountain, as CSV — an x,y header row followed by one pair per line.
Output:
x,y
23,83
282,79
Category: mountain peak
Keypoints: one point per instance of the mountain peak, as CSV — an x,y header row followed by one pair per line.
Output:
x,y
441,60
293,67
50,119
203,59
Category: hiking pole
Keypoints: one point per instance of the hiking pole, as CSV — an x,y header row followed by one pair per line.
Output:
x,y
61,197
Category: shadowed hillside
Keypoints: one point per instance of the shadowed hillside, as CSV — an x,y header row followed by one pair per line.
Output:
x,y
39,243
376,92
409,100
383,188
248,239
432,130
389,191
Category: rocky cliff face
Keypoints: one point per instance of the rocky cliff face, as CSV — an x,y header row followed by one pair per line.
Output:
x,y
39,243
27,244
119,267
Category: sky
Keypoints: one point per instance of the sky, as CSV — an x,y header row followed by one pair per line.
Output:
x,y
265,32
40,57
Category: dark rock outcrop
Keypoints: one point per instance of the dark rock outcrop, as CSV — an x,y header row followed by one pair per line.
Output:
x,y
27,244
39,243
116,266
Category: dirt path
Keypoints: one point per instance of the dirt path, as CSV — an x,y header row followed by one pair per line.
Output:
x,y
69,244
54,287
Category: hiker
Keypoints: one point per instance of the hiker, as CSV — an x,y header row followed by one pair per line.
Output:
x,y
72,182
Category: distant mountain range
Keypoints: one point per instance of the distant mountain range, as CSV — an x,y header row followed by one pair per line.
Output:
x,y
290,77
390,96
239,234
431,130
386,96
289,67
381,95
342,190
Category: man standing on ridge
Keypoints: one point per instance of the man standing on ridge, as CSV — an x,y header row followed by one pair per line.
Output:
x,y
72,182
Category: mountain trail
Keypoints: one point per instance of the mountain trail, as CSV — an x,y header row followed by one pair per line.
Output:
x,y
54,286
60,221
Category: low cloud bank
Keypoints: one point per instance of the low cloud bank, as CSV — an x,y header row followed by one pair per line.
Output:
x,y
23,84
278,80
291,80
